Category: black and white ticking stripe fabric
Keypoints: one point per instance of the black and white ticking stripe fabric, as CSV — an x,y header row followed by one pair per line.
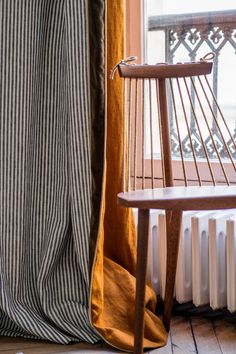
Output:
x,y
45,177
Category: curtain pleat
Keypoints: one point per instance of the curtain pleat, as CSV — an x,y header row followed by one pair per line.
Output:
x,y
45,170
97,112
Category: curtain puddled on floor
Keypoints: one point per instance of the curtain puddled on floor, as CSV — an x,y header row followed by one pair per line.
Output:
x,y
60,279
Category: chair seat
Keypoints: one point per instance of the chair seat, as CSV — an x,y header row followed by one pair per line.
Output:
x,y
181,198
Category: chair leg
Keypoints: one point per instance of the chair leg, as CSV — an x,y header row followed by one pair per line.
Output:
x,y
173,226
142,247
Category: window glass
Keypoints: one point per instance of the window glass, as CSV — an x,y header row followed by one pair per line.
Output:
x,y
163,7
179,31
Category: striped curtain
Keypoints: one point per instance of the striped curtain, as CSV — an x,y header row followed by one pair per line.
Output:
x,y
45,168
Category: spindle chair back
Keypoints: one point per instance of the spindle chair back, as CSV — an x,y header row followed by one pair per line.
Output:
x,y
171,89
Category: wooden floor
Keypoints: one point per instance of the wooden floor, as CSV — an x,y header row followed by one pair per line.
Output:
x,y
188,335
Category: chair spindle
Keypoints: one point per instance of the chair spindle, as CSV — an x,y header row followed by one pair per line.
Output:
x,y
164,133
135,134
178,132
189,132
129,131
124,136
143,133
151,131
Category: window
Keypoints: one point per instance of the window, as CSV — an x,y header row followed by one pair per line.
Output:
x,y
166,30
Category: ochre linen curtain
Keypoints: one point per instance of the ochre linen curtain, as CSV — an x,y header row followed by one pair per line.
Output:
x,y
113,282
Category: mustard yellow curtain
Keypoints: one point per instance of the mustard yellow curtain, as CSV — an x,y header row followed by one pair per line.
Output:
x,y
113,281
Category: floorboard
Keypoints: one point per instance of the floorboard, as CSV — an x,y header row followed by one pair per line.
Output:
x,y
164,350
10,345
226,335
205,337
181,336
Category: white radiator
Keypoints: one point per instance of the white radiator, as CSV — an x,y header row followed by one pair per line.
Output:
x,y
206,270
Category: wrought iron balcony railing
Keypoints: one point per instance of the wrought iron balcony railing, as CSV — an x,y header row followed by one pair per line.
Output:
x,y
214,30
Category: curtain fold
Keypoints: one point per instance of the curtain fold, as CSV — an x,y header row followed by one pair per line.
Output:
x,y
113,276
97,114
45,170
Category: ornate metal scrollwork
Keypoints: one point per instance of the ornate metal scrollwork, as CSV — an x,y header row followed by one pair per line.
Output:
x,y
193,31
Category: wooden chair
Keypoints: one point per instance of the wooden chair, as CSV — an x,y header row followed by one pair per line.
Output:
x,y
144,85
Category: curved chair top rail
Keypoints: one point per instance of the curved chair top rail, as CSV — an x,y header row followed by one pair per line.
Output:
x,y
164,70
